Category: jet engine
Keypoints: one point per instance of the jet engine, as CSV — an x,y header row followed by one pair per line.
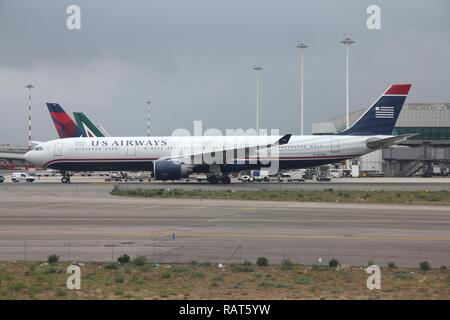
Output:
x,y
170,170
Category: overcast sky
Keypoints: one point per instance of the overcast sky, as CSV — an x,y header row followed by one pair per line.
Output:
x,y
194,59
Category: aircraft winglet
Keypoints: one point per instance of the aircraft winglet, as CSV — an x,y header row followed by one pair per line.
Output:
x,y
284,139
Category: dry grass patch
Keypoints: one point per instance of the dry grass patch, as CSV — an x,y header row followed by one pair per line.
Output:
x,y
197,281
328,195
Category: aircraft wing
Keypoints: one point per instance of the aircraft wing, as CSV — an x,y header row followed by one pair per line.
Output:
x,y
374,143
248,150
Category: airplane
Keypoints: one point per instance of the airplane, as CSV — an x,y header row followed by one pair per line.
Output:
x,y
174,158
67,128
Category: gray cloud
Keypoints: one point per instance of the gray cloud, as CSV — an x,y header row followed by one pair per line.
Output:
x,y
193,59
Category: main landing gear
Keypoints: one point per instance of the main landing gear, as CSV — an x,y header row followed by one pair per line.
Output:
x,y
225,179
215,175
213,179
65,178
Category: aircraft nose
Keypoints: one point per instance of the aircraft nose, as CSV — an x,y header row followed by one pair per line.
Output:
x,y
26,156
29,156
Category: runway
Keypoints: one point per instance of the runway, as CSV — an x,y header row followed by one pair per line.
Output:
x,y
83,222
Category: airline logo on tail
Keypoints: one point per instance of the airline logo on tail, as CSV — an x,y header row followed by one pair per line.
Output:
x,y
86,126
64,125
384,112
381,117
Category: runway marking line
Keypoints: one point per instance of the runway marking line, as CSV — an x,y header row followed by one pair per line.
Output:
x,y
224,219
167,234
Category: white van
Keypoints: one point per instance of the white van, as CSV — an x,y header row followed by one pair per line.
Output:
x,y
21,177
260,175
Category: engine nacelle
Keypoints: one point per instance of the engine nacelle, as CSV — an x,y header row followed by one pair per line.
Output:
x,y
169,170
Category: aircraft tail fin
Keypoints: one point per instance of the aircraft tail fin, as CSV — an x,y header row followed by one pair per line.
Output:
x,y
86,126
103,130
64,125
381,117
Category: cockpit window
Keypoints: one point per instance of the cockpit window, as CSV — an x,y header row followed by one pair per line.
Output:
x,y
38,148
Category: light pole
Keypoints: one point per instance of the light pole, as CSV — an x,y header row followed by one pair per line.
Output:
x,y
148,102
301,46
257,69
347,42
29,87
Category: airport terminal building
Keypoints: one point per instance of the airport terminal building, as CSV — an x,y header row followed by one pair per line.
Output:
x,y
426,154
6,150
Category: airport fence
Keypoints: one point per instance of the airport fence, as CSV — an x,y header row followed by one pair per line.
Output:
x,y
173,252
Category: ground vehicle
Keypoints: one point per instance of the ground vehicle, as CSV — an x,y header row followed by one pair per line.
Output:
x,y
2,178
335,173
245,178
141,176
201,178
49,172
308,174
260,175
114,176
21,177
323,175
127,177
374,174
294,176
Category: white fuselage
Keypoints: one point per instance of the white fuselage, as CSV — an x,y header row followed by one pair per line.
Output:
x,y
138,153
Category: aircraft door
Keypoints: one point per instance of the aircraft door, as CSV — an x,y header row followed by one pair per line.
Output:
x,y
334,145
57,151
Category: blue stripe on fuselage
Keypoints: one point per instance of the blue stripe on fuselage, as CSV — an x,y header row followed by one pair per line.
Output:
x,y
148,165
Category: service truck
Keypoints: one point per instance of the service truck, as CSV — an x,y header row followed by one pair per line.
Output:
x,y
260,175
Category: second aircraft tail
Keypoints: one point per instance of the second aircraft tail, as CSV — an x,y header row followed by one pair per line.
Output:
x,y
64,125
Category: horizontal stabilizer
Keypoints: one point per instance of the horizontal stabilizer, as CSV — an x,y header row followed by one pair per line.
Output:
x,y
374,143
